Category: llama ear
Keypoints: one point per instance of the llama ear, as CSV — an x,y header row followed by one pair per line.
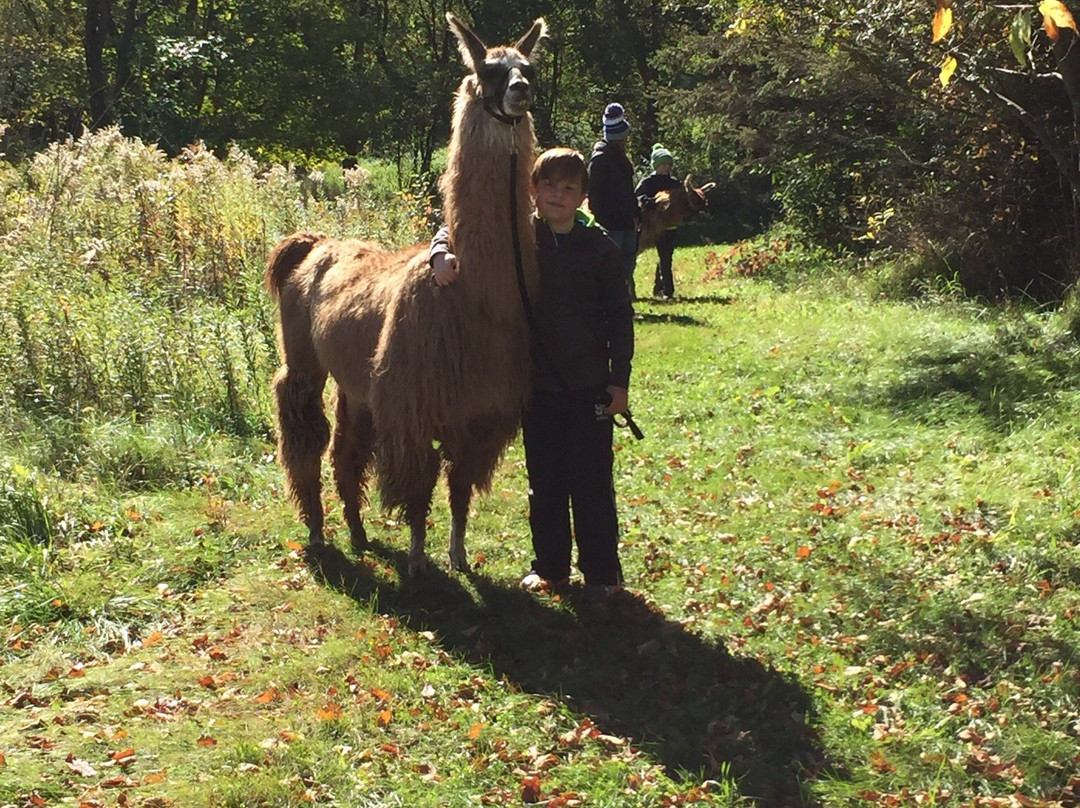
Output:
x,y
688,184
472,49
526,44
707,187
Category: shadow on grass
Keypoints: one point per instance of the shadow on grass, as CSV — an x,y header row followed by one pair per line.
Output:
x,y
1002,381
686,701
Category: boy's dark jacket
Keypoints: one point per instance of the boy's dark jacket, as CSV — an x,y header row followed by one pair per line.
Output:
x,y
611,188
583,311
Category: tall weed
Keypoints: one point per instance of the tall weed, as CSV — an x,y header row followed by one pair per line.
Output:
x,y
132,283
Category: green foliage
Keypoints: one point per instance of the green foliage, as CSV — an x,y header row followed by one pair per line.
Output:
x,y
24,512
133,295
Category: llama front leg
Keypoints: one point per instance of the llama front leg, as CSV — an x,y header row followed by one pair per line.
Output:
x,y
460,497
419,483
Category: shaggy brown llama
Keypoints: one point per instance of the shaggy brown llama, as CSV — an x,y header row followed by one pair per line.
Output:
x,y
672,208
416,366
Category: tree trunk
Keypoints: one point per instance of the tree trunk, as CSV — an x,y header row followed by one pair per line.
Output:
x,y
98,23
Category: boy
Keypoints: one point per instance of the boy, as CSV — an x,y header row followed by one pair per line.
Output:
x,y
581,357
648,188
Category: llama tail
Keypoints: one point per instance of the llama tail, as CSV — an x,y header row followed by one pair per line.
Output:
x,y
286,257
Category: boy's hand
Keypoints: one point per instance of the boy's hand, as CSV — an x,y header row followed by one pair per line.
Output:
x,y
444,266
619,400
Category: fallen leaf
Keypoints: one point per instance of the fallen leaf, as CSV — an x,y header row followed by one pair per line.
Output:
x,y
331,712
81,767
943,19
153,639
476,729
948,67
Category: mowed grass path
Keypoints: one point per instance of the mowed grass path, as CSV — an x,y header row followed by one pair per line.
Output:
x,y
851,548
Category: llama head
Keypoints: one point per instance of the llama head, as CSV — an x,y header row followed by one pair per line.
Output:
x,y
502,76
696,197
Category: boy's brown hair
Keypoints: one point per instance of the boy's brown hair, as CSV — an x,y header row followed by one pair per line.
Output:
x,y
560,164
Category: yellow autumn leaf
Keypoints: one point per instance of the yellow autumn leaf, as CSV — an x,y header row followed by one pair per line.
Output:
x,y
942,22
1056,15
948,67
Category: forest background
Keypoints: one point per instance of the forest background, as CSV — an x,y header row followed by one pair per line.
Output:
x,y
959,155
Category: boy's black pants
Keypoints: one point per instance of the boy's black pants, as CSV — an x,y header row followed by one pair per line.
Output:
x,y
664,281
569,458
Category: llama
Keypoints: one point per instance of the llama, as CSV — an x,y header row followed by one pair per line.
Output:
x,y
672,208
417,366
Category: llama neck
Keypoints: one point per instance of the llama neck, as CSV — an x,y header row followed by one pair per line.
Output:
x,y
476,189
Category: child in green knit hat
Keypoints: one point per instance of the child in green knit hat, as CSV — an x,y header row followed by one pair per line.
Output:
x,y
646,191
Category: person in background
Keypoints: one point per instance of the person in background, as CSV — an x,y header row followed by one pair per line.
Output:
x,y
611,190
581,356
648,188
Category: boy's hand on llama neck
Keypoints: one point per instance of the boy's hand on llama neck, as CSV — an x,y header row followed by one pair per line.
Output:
x,y
444,267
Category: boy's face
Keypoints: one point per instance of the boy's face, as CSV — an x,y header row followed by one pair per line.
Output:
x,y
557,200
663,167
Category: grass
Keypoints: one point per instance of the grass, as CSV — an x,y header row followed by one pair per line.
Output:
x,y
850,538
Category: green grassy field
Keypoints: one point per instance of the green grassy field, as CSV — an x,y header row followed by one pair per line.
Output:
x,y
850,539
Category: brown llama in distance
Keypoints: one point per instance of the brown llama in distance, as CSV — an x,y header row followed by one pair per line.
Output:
x,y
672,208
416,365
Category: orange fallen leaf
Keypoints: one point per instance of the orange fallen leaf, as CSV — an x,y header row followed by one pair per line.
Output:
x,y
206,740
294,545
331,712
207,682
804,552
385,717
267,696
154,638
943,19
476,729
155,777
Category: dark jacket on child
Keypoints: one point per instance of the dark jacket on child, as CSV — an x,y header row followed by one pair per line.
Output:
x,y
582,310
611,188
654,184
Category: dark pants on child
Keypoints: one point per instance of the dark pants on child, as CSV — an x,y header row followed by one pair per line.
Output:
x,y
569,458
664,281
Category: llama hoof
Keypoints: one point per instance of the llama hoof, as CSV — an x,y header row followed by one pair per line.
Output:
x,y
459,563
315,541
359,541
417,566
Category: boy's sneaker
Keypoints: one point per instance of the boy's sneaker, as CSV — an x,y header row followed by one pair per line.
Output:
x,y
534,583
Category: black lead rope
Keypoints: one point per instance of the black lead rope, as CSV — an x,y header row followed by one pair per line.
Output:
x,y
530,317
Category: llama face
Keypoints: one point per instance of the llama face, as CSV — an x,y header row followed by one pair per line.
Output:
x,y
506,82
504,76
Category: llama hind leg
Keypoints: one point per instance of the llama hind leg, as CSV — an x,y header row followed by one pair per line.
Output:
x,y
350,455
303,433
